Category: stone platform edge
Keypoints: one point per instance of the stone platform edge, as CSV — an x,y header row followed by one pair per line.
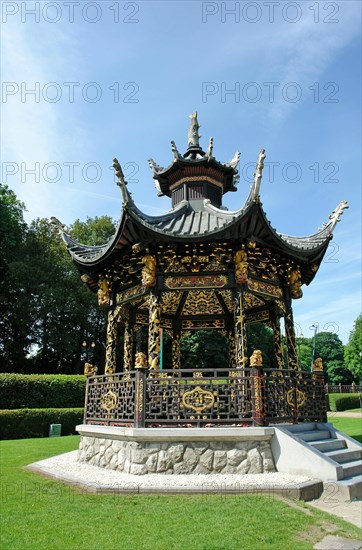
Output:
x,y
176,434
306,491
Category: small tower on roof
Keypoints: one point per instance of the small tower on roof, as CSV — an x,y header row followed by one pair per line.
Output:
x,y
196,175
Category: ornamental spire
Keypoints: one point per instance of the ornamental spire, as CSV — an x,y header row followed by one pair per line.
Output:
x,y
193,133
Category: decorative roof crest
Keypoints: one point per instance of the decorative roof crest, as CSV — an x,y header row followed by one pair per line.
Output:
x,y
258,173
193,133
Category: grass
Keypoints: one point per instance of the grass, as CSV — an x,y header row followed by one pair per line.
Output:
x,y
350,426
41,514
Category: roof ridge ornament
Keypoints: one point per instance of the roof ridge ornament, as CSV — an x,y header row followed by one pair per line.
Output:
x,y
193,133
337,213
175,151
119,173
156,168
234,161
57,223
210,148
258,174
121,183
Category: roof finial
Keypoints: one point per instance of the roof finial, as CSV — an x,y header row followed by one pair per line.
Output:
x,y
193,133
259,172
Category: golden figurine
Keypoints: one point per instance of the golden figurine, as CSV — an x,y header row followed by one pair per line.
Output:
x,y
241,267
149,270
318,365
103,292
89,369
295,283
256,360
140,360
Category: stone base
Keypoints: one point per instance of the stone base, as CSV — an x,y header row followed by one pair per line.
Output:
x,y
178,450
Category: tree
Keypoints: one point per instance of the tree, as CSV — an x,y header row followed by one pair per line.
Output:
x,y
94,231
330,348
259,336
45,311
204,349
353,350
13,332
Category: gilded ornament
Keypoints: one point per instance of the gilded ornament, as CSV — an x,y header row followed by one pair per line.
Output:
x,y
103,292
198,399
140,360
256,360
295,283
295,394
109,401
241,267
149,270
318,365
90,370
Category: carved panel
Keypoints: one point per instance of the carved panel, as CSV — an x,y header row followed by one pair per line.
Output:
x,y
201,281
202,302
170,302
265,288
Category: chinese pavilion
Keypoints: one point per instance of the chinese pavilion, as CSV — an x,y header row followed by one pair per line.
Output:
x,y
200,266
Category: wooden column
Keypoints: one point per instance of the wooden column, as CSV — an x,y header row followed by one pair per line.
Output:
x,y
128,347
111,342
232,348
278,345
154,332
176,350
240,330
293,362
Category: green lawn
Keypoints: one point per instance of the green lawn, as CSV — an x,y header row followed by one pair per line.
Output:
x,y
41,514
350,426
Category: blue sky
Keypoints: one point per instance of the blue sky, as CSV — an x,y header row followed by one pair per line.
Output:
x,y
120,79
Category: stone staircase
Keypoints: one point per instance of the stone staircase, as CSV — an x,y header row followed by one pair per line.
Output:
x,y
343,451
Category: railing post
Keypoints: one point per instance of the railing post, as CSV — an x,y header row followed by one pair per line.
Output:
x,y
86,401
140,401
258,389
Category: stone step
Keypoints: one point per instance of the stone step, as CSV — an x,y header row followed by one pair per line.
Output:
x,y
324,445
346,489
303,427
351,469
314,435
344,455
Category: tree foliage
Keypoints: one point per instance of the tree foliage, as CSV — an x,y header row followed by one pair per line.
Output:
x,y
46,311
330,348
353,350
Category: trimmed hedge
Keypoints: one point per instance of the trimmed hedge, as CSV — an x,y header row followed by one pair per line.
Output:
x,y
26,423
343,401
20,391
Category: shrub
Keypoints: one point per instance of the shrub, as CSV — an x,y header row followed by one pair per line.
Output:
x,y
343,401
18,391
25,423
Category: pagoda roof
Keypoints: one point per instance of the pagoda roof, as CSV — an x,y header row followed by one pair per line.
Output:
x,y
190,222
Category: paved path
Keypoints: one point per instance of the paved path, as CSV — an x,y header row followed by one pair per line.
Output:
x,y
344,414
349,511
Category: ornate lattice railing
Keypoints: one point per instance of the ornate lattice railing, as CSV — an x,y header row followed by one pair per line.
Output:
x,y
221,397
213,396
294,395
110,400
